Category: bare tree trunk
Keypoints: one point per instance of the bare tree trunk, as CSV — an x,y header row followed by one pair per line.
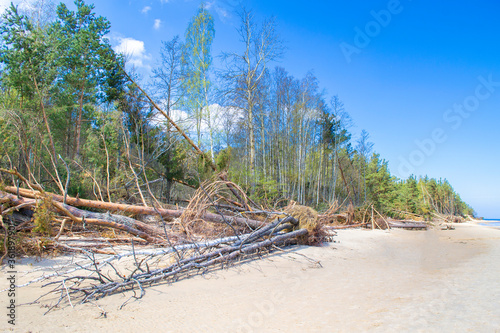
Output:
x,y
320,169
79,122
252,146
46,121
263,148
168,213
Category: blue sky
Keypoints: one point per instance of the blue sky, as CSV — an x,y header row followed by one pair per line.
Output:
x,y
420,76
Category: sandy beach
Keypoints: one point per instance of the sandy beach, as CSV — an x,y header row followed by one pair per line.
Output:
x,y
375,281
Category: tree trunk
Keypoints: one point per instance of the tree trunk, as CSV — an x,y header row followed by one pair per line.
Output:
x,y
120,222
252,147
79,122
144,210
46,121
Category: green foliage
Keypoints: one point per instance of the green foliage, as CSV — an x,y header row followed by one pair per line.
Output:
x,y
267,192
29,55
43,216
333,133
410,197
85,57
7,141
174,161
223,159
438,196
197,58
204,166
380,184
89,68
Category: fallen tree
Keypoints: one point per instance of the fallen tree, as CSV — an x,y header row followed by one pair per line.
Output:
x,y
184,256
103,277
119,222
133,209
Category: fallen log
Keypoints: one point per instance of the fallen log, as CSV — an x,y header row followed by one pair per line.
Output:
x,y
233,208
124,223
120,219
352,226
139,210
407,225
110,206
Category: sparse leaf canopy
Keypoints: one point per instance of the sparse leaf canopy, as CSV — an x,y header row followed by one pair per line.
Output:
x,y
196,63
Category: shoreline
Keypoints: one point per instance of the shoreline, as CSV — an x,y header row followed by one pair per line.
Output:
x,y
491,223
397,280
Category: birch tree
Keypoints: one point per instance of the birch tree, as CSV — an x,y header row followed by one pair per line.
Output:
x,y
168,78
244,71
197,60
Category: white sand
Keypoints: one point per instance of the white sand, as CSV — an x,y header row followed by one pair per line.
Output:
x,y
377,281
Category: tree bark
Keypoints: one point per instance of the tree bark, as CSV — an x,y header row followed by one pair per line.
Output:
x,y
79,121
144,210
124,223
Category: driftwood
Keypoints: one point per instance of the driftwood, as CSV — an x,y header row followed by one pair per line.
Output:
x,y
352,226
112,218
408,224
102,276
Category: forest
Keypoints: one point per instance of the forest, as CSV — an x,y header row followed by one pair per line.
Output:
x,y
76,120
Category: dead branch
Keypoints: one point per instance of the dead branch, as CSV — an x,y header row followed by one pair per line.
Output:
x,y
106,279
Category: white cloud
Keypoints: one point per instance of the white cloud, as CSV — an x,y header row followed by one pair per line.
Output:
x,y
219,9
157,24
146,9
4,4
223,14
164,1
180,117
223,119
133,50
130,46
218,114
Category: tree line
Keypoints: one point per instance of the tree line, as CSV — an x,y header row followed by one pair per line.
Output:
x,y
69,111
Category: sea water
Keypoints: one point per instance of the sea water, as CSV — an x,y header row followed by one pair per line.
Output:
x,y
491,222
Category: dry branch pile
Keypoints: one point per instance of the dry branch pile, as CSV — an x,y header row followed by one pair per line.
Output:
x,y
189,241
137,269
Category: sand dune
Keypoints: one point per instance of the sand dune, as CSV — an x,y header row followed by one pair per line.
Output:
x,y
377,281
